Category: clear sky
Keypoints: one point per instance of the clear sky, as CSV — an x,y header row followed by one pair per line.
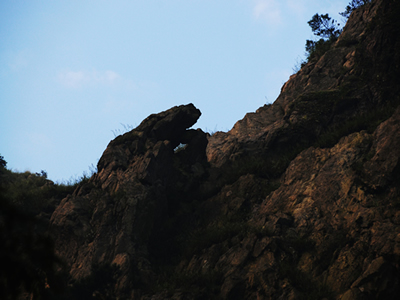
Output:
x,y
71,72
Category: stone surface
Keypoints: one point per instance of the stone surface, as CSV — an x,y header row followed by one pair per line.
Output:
x,y
112,218
299,200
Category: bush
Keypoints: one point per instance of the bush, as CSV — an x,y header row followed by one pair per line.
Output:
x,y
316,49
327,29
324,26
352,6
3,163
33,193
28,258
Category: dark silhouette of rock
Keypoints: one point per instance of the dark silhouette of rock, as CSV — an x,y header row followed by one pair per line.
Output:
x,y
111,219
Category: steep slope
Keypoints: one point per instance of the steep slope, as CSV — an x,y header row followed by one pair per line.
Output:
x,y
330,230
330,93
300,200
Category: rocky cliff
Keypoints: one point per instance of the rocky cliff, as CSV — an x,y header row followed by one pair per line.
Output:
x,y
300,200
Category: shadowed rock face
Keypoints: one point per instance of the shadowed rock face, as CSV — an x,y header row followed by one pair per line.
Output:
x,y
111,219
300,200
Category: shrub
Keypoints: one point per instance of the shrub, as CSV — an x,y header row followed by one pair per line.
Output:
x,y
33,193
29,262
324,26
352,6
316,49
327,29
3,163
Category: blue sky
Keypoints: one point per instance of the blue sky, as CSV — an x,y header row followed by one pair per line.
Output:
x,y
71,72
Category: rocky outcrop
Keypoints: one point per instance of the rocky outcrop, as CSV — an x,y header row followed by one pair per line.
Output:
x,y
111,219
300,200
346,82
328,231
349,223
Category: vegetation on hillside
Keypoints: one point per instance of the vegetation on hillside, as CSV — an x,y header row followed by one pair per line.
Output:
x,y
354,4
29,263
328,30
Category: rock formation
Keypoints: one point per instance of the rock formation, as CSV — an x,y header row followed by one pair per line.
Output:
x,y
111,219
300,200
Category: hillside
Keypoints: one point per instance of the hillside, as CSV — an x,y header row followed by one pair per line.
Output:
x,y
300,200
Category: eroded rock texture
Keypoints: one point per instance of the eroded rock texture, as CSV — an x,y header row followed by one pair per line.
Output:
x,y
328,93
112,218
300,200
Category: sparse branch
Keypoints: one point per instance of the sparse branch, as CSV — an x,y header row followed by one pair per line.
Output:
x,y
352,6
